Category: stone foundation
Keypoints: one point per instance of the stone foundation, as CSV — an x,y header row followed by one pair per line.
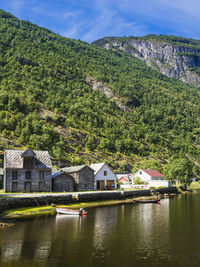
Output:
x,y
19,202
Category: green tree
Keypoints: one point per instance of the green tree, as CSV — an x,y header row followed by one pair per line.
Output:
x,y
180,169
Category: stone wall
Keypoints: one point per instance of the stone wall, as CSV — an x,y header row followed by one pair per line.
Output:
x,y
165,190
19,202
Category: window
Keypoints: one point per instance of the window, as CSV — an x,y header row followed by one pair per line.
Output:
x,y
28,163
28,175
105,173
42,175
14,175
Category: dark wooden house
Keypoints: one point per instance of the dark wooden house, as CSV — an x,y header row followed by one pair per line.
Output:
x,y
63,182
27,171
83,176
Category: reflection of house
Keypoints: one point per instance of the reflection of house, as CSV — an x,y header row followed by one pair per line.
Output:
x,y
62,182
28,171
152,177
104,177
83,176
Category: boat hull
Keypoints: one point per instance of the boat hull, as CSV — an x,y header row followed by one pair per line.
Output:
x,y
157,201
69,211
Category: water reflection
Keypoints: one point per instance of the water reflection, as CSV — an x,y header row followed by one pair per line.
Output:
x,y
122,235
11,247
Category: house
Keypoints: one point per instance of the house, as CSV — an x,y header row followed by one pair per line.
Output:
x,y
124,178
83,176
1,178
62,182
27,171
104,177
152,177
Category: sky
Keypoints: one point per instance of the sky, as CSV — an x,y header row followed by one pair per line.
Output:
x,y
89,20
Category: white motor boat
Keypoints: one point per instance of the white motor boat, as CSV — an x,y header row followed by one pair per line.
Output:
x,y
66,211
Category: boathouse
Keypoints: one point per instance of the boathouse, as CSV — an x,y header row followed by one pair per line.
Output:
x,y
104,177
27,171
83,176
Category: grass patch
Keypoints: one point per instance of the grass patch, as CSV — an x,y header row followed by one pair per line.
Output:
x,y
44,210
194,185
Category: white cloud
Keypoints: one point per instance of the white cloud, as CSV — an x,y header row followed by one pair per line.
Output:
x,y
71,33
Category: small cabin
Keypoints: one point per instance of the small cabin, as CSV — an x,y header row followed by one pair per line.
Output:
x,y
83,176
62,182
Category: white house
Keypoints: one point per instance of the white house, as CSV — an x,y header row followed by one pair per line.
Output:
x,y
103,177
153,178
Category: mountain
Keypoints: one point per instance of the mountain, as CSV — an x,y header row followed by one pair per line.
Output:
x,y
85,103
173,56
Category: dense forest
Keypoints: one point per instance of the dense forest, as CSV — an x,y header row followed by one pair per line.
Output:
x,y
47,103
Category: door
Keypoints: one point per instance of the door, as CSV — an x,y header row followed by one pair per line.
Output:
x,y
41,186
28,186
14,187
100,185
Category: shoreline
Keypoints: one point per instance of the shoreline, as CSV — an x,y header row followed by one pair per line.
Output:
x,y
31,212
19,206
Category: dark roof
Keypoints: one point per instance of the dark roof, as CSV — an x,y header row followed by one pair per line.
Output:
x,y
28,153
75,168
153,173
56,174
13,159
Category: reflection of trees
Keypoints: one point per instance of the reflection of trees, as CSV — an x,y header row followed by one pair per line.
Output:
x,y
12,245
105,219
27,240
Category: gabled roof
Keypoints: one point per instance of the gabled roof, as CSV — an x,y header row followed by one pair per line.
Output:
x,y
74,168
123,178
28,153
13,159
97,167
56,174
153,173
126,175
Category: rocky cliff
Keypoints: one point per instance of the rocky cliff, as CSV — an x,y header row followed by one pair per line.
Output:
x,y
176,61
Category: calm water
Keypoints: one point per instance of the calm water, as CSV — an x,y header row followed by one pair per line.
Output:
x,y
122,235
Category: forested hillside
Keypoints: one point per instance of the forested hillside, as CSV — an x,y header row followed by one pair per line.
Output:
x,y
47,101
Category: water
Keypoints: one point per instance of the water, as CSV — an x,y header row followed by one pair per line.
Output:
x,y
123,235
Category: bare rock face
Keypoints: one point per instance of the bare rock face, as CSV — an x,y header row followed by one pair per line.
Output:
x,y
171,60
103,88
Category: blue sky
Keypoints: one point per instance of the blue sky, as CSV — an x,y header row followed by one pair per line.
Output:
x,y
90,20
